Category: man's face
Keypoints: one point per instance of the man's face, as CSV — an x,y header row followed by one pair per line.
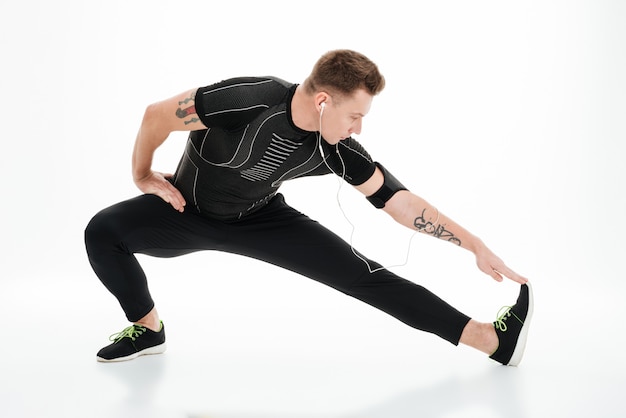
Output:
x,y
343,117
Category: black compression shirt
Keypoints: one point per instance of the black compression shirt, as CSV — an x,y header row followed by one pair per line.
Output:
x,y
251,146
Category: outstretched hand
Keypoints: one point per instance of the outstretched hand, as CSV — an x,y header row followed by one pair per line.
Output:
x,y
156,183
492,265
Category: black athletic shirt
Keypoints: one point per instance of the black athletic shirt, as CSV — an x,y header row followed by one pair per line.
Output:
x,y
251,146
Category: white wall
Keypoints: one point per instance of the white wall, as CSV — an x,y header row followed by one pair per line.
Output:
x,y
508,116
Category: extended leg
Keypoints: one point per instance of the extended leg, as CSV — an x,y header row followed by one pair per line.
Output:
x,y
281,235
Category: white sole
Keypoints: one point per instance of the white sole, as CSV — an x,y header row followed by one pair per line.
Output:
x,y
157,349
518,353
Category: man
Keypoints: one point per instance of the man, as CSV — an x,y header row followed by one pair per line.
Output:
x,y
248,136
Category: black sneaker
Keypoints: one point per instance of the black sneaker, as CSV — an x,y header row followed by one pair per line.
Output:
x,y
132,342
512,328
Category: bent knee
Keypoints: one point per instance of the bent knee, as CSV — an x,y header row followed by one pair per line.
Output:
x,y
100,231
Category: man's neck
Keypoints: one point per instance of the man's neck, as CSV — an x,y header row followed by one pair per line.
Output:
x,y
303,111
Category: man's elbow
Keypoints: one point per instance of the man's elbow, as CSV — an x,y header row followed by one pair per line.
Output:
x,y
154,119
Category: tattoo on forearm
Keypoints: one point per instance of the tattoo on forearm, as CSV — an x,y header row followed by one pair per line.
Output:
x,y
192,120
437,231
187,100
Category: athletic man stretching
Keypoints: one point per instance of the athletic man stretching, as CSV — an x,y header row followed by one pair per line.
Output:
x,y
247,136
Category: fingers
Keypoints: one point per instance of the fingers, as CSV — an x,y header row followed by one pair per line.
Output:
x,y
492,265
495,274
505,271
519,279
158,184
172,196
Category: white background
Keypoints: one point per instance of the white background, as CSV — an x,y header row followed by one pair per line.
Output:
x,y
508,116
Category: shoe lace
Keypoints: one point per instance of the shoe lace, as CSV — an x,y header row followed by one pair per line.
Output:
x,y
504,313
131,332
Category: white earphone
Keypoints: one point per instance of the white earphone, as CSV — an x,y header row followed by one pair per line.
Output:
x,y
319,139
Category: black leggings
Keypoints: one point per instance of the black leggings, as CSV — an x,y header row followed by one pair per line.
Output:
x,y
277,234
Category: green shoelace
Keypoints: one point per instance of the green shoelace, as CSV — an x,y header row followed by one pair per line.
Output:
x,y
131,332
504,313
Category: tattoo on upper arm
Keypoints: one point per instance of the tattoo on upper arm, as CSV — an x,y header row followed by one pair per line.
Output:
x,y
192,120
188,111
183,113
437,231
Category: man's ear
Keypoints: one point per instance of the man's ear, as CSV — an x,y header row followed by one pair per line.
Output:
x,y
321,100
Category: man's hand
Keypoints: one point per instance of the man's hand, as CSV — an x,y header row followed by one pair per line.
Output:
x,y
157,184
492,265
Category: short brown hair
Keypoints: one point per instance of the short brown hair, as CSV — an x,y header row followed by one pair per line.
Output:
x,y
344,71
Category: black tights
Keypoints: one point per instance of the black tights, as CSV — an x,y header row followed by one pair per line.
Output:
x,y
277,234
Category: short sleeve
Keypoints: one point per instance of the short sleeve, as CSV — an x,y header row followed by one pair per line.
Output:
x,y
359,166
232,103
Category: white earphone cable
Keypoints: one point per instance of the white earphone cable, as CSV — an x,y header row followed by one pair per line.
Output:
x,y
345,215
